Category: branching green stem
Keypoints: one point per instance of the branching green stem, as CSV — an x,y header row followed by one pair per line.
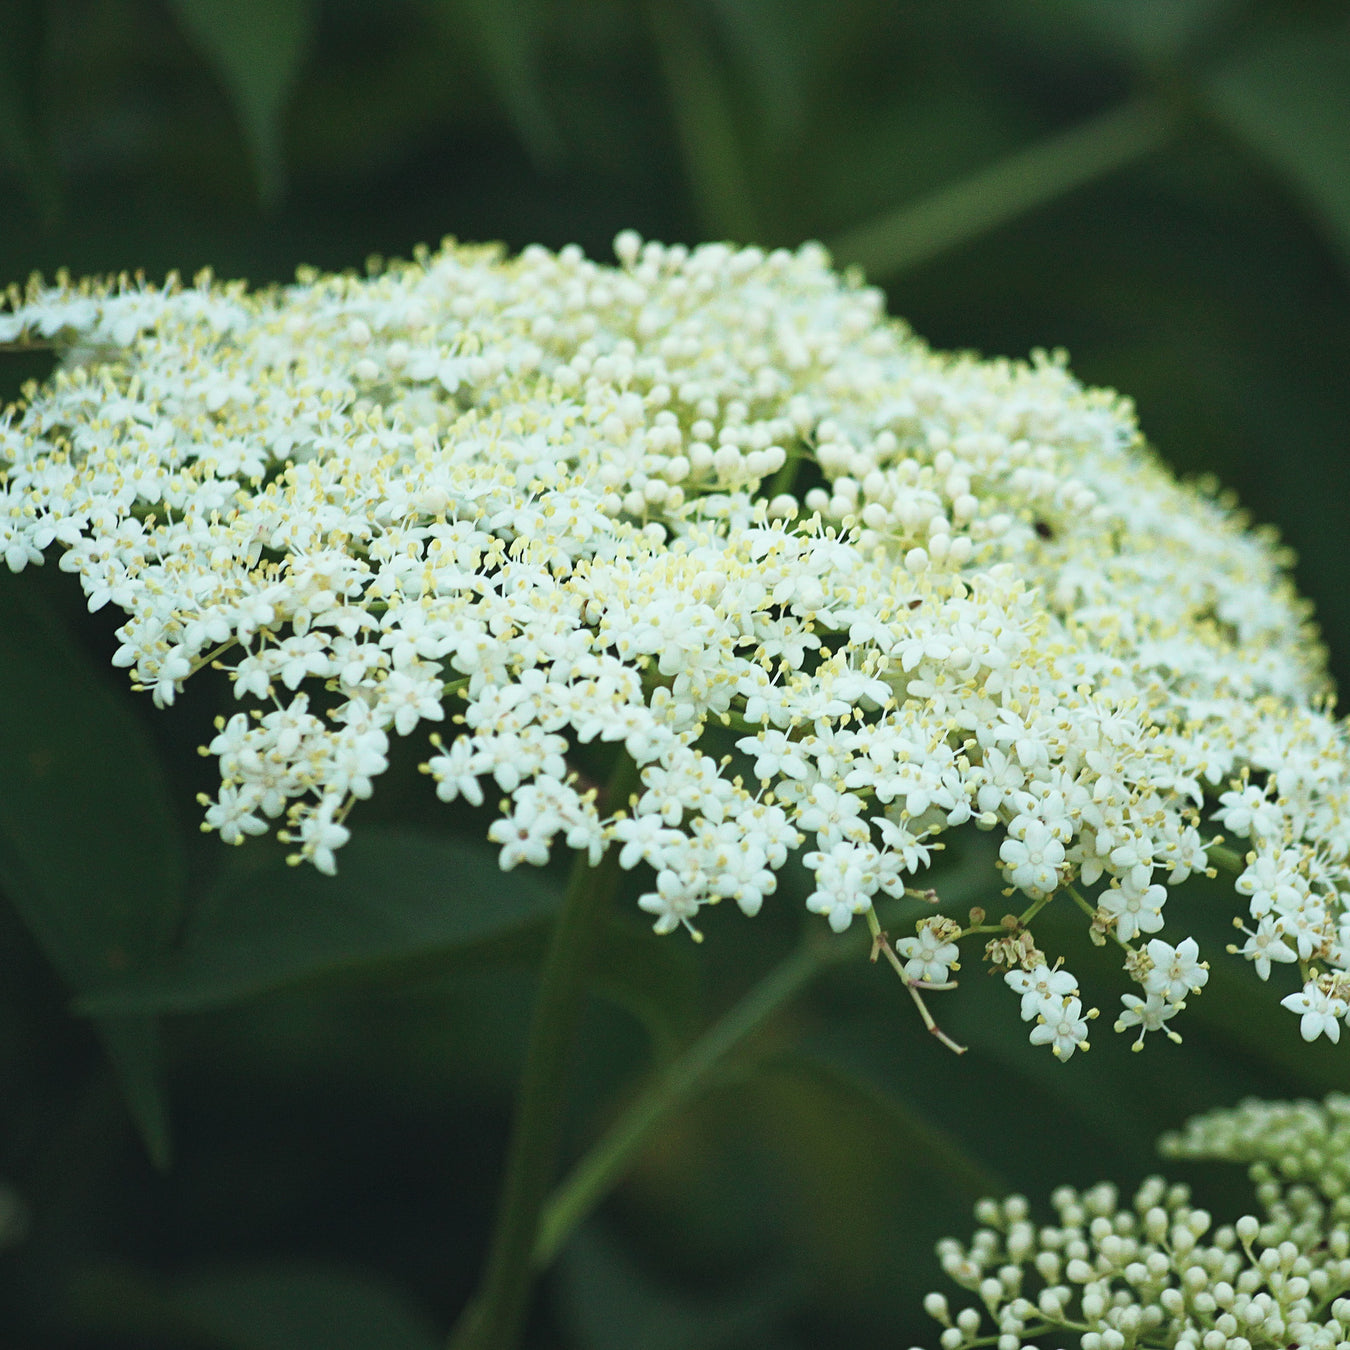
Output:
x,y
496,1316
1086,906
1033,909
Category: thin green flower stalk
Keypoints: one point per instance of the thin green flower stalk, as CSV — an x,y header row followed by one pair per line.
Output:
x,y
1158,1272
526,504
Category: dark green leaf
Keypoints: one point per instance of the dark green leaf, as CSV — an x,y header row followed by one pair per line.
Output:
x,y
654,979
263,1307
774,41
133,1046
507,37
302,1309
1150,35
398,897
23,23
611,1303
705,124
927,1147
89,847
1289,100
90,853
256,47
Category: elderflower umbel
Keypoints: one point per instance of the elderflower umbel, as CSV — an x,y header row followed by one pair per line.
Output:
x,y
1158,1272
538,502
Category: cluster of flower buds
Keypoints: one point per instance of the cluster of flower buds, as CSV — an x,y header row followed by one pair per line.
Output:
x,y
1158,1272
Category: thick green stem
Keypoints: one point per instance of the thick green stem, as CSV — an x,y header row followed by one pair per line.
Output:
x,y
683,1080
1006,190
495,1318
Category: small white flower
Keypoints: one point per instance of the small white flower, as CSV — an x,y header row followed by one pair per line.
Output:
x,y
674,902
320,836
1062,1027
1134,910
232,815
1176,971
1150,1013
1040,986
1319,1012
1266,945
1033,859
928,957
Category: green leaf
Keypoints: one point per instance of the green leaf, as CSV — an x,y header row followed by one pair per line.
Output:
x,y
1152,36
705,124
774,42
135,1053
1288,99
611,1303
302,1309
256,47
90,853
24,24
506,36
1011,187
655,980
399,897
263,1307
927,1147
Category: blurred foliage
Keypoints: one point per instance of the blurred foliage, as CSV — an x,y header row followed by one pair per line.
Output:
x,y
1164,189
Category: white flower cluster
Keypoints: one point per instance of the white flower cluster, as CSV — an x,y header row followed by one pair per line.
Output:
x,y
540,502
1154,1273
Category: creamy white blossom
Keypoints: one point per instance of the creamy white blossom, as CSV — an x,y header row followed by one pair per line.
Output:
x,y
528,504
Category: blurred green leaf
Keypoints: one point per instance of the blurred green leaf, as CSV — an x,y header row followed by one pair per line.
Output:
x,y
1014,186
655,980
926,1145
302,1309
507,35
398,897
863,1190
705,125
23,23
1288,99
256,47
90,853
612,1303
264,1307
667,1093
1150,35
135,1051
772,40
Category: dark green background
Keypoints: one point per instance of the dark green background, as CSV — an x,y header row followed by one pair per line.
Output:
x,y
336,1096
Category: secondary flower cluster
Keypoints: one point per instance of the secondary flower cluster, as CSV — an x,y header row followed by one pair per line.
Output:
x,y
1158,1273
539,502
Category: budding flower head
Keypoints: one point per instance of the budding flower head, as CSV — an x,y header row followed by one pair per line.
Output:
x,y
540,502
1159,1272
